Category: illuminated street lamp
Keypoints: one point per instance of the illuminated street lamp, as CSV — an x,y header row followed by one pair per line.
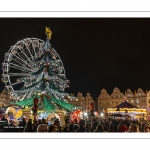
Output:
x,y
102,114
85,114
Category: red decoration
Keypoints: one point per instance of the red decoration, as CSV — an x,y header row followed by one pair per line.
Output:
x,y
91,106
35,104
96,113
75,115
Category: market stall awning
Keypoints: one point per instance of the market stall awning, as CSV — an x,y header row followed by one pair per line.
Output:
x,y
125,104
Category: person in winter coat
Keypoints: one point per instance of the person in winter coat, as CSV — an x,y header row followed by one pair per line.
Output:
x,y
99,128
82,126
123,127
29,126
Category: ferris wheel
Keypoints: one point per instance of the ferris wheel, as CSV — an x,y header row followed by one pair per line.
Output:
x,y
22,60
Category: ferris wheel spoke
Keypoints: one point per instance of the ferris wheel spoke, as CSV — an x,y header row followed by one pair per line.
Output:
x,y
18,67
24,63
35,53
27,44
35,44
26,56
16,83
30,53
19,74
23,60
18,62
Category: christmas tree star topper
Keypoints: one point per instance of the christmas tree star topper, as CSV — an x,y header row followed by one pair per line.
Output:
x,y
48,33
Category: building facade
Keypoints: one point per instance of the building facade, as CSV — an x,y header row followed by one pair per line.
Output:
x,y
82,102
139,98
4,98
109,101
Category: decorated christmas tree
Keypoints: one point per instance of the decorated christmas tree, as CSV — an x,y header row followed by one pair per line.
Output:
x,y
44,88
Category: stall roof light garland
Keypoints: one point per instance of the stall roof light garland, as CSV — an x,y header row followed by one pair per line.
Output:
x,y
128,110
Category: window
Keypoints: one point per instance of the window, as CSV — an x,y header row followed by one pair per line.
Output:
x,y
116,102
137,101
149,100
132,101
138,106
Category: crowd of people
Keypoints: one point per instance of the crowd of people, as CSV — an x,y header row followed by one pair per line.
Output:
x,y
112,125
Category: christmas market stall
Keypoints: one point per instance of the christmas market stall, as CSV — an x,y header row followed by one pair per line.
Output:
x,y
127,110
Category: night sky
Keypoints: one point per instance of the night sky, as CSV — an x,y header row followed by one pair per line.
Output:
x,y
96,52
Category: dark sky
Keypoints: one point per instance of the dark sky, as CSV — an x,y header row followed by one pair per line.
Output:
x,y
96,52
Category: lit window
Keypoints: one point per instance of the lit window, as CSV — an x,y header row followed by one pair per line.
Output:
x,y
132,101
137,101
